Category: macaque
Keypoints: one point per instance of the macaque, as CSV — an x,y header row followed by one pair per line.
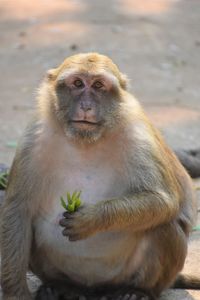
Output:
x,y
128,239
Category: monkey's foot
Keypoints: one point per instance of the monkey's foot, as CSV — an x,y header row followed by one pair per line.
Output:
x,y
134,295
47,293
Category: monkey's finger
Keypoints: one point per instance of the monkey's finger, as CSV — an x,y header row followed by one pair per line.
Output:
x,y
65,223
68,215
62,222
73,236
69,227
67,232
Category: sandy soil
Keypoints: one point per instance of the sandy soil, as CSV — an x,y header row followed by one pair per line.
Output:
x,y
155,42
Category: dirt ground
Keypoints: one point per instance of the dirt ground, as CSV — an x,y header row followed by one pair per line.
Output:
x,y
155,42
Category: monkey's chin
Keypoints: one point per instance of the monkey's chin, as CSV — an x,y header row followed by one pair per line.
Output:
x,y
84,134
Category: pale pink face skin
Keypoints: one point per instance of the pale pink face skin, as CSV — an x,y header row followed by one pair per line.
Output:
x,y
85,114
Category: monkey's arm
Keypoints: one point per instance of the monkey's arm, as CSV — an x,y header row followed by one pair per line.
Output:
x,y
141,210
16,235
138,211
16,238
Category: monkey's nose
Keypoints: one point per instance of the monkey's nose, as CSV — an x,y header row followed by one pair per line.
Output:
x,y
86,107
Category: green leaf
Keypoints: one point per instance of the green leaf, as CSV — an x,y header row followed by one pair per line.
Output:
x,y
64,205
3,180
69,199
71,207
78,195
2,184
77,203
74,196
73,201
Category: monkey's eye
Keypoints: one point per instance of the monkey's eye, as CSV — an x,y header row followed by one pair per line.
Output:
x,y
78,83
97,85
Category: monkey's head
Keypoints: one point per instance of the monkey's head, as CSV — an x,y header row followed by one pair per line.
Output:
x,y
86,95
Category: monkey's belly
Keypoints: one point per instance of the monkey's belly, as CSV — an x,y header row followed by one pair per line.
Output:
x,y
103,258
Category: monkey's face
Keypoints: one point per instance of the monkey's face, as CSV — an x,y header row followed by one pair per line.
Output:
x,y
88,97
87,105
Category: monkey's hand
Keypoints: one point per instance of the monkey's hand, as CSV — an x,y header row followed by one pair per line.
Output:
x,y
80,224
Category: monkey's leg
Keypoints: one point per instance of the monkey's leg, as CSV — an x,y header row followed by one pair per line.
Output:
x,y
164,259
172,245
16,235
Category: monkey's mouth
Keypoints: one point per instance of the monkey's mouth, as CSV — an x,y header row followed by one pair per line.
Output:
x,y
84,123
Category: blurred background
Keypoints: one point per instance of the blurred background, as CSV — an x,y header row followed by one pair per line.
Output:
x,y
155,42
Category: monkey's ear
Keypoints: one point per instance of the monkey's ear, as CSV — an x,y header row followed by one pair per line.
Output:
x,y
51,74
124,81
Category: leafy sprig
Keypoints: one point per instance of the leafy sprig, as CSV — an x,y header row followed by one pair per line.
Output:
x,y
3,180
73,201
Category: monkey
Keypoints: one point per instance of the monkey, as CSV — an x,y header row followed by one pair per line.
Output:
x,y
128,239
